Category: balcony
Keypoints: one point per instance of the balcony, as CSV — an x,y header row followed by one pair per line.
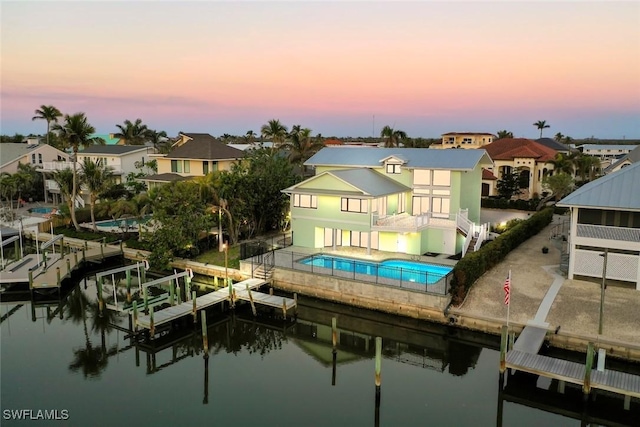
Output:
x,y
623,234
58,166
410,223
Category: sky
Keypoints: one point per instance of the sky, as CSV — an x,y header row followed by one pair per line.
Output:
x,y
340,68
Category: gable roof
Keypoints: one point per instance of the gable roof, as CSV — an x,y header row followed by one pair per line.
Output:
x,y
488,175
510,148
11,152
423,158
115,150
614,191
632,157
206,147
364,181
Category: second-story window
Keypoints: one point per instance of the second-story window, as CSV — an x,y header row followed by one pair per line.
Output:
x,y
205,167
305,201
393,168
187,166
353,205
33,158
176,166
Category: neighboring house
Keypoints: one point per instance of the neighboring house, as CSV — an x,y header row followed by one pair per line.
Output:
x,y
624,161
465,140
605,151
408,200
193,155
489,182
531,159
605,215
35,155
122,159
109,138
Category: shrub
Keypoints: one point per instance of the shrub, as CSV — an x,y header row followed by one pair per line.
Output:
x,y
472,266
523,205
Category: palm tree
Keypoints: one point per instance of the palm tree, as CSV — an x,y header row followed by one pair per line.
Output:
x,y
586,166
559,137
157,138
392,137
23,180
76,132
138,206
275,131
66,180
301,147
250,137
8,187
97,178
133,133
502,134
210,192
48,113
541,124
563,164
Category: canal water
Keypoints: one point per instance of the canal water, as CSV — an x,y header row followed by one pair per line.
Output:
x,y
63,355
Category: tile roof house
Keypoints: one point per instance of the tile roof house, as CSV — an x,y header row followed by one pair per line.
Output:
x,y
465,140
605,217
193,155
533,161
407,200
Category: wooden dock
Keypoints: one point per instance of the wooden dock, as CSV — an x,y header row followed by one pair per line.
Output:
x,y
241,291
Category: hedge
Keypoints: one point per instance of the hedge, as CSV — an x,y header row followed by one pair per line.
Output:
x,y
473,265
523,205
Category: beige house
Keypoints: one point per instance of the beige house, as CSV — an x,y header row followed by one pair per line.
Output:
x,y
33,154
531,159
465,140
193,155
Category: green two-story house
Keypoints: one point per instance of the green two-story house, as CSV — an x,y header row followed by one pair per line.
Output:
x,y
407,200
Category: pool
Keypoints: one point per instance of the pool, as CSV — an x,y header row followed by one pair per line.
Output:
x,y
409,271
41,210
128,222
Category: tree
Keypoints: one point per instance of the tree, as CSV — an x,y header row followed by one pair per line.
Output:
x,y
66,180
8,187
209,187
541,124
275,131
23,181
33,187
586,166
76,132
509,185
558,184
563,163
183,218
48,113
559,137
301,147
502,134
250,137
158,139
97,178
392,137
133,133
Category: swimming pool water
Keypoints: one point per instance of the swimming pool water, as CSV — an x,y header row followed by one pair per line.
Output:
x,y
41,210
118,222
393,269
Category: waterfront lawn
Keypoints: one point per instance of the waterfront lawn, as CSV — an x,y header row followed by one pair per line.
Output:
x,y
213,256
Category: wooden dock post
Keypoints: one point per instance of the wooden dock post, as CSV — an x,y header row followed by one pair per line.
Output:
x,y
84,254
62,247
284,308
232,303
99,286
171,293
270,291
58,276
75,257
128,276
68,266
503,348
187,287
205,340
295,304
378,363
253,306
195,309
152,327
102,249
30,279
586,387
135,316
215,283
143,275
145,298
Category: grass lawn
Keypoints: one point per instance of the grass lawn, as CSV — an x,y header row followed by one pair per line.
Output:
x,y
217,258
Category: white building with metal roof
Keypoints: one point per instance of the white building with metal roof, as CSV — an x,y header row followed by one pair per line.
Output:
x,y
605,217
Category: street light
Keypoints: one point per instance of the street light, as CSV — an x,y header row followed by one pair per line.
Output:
x,y
602,288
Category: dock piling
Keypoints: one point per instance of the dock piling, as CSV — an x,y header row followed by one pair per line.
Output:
x,y
378,380
295,304
152,327
75,257
195,312
253,306
145,296
586,388
171,293
205,341
284,308
58,276
128,273
68,266
334,333
30,279
503,348
135,316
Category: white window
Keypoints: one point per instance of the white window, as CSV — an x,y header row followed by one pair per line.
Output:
x,y
421,177
420,205
353,205
442,178
33,158
308,201
402,202
393,168
466,140
40,158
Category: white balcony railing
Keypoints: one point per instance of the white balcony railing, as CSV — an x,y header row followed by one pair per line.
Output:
x,y
608,233
58,166
406,222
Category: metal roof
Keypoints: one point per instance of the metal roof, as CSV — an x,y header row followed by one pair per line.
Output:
x,y
367,181
614,191
606,147
632,157
423,158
